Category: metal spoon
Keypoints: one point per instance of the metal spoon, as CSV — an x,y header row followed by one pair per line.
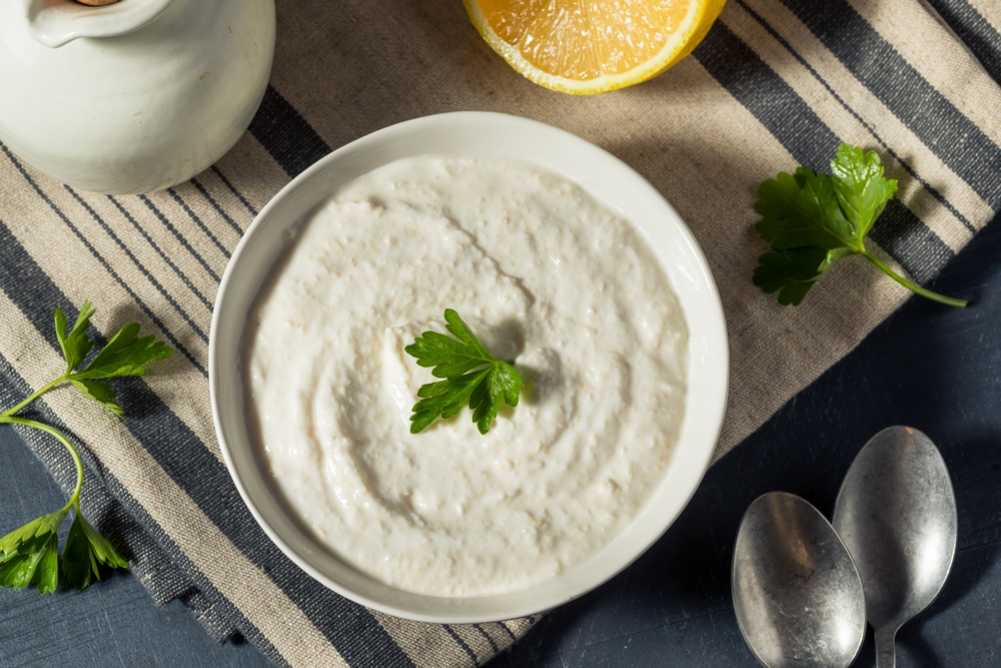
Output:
x,y
896,513
797,594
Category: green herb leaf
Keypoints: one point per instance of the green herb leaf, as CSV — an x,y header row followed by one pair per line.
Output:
x,y
75,344
28,554
813,220
101,392
86,551
461,331
791,273
472,377
46,579
125,354
861,189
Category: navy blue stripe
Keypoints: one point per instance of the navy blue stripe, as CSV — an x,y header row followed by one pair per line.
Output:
x,y
215,205
145,235
508,631
93,251
954,138
286,135
933,191
13,385
198,221
486,635
352,629
976,32
232,189
903,235
177,235
139,265
462,643
795,125
13,269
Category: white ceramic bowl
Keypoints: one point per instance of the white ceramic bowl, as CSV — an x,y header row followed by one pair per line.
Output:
x,y
474,135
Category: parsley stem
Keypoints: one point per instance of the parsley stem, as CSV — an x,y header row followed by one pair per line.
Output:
x,y
16,408
74,499
911,285
8,417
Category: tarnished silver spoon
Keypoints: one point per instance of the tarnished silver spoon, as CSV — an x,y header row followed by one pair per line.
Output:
x,y
797,594
896,513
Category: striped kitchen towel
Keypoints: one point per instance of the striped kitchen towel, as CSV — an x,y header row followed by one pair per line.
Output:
x,y
776,83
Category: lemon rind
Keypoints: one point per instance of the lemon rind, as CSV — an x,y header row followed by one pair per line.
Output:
x,y
691,32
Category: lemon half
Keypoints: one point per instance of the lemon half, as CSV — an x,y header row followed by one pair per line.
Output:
x,y
585,47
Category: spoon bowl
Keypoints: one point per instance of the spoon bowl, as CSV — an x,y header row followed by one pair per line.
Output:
x,y
896,513
796,591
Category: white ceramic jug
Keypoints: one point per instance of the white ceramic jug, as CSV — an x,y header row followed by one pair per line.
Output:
x,y
134,96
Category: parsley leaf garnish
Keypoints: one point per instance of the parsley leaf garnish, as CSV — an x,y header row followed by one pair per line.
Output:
x,y
472,377
85,552
813,220
29,555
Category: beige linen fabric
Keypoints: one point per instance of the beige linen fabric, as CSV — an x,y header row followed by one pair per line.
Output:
x,y
775,84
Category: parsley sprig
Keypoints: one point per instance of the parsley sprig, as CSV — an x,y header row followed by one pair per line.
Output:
x,y
29,554
813,220
471,376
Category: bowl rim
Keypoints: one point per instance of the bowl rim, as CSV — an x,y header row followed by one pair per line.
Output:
x,y
702,457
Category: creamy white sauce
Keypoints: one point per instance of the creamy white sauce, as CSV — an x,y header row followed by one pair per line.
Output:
x,y
545,275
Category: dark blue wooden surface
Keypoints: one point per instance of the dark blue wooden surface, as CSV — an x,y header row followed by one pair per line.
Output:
x,y
935,368
111,624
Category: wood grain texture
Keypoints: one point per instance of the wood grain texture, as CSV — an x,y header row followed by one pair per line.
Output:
x,y
114,623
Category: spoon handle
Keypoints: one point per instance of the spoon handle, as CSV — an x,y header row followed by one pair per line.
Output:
x,y
886,648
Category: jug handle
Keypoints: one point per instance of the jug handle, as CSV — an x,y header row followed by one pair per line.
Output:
x,y
58,22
